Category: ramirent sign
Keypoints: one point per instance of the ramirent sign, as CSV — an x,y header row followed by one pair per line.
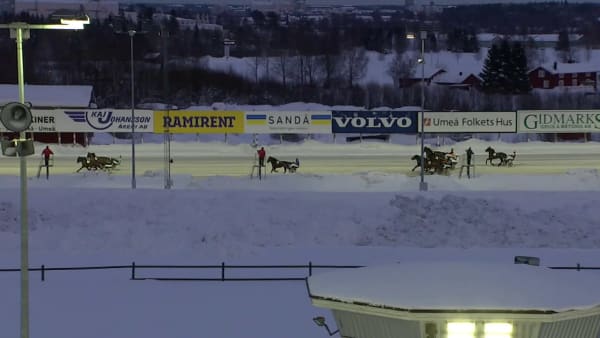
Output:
x,y
89,120
470,122
306,122
199,121
558,121
385,122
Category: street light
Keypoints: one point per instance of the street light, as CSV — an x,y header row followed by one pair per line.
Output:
x,y
20,31
421,60
131,34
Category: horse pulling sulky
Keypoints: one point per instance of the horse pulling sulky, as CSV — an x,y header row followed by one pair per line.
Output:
x,y
93,162
286,165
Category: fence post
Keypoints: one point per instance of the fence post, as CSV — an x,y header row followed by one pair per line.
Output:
x,y
309,268
43,272
223,271
132,270
578,267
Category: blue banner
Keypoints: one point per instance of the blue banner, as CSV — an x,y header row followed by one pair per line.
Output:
x,y
379,122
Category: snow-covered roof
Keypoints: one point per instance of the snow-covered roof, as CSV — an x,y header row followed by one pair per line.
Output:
x,y
49,95
569,68
451,286
487,37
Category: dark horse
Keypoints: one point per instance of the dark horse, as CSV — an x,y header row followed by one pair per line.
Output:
x,y
275,163
492,155
418,159
86,163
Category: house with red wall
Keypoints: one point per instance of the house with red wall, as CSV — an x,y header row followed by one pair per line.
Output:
x,y
556,74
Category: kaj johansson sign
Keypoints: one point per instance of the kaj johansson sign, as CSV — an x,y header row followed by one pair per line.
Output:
x,y
89,120
558,121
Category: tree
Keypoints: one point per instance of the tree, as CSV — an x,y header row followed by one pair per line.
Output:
x,y
563,46
355,65
518,76
490,74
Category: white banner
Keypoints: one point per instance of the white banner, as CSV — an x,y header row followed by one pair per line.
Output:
x,y
305,122
558,121
89,120
470,122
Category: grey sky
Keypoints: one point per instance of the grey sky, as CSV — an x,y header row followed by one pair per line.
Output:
x,y
359,2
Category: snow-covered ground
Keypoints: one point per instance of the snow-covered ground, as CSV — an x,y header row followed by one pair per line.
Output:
x,y
366,218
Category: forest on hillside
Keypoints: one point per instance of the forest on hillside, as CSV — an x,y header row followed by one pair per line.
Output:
x,y
308,60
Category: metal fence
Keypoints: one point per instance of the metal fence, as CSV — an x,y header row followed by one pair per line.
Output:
x,y
223,272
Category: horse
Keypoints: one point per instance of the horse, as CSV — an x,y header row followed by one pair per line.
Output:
x,y
275,163
418,159
104,160
86,163
492,155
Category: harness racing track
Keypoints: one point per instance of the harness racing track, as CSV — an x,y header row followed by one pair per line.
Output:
x,y
236,164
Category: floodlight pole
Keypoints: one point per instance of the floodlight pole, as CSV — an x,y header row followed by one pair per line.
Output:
x,y
24,219
20,32
423,184
133,185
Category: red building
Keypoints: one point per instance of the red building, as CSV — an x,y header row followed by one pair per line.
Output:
x,y
556,74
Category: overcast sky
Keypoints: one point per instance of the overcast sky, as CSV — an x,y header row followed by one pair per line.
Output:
x,y
363,2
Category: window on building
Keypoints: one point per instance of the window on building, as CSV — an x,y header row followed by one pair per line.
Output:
x,y
497,330
541,73
561,76
574,82
561,83
546,84
461,330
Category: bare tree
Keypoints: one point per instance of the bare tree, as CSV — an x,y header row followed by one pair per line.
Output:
x,y
354,65
399,68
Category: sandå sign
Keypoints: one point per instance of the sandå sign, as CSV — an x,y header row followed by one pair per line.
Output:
x,y
307,122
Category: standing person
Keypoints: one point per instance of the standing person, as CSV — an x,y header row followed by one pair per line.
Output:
x,y
261,156
469,159
47,152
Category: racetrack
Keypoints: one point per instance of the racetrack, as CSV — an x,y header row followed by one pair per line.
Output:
x,y
239,165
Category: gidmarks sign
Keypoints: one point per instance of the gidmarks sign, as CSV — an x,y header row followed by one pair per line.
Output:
x,y
384,122
469,122
308,122
558,121
199,122
89,120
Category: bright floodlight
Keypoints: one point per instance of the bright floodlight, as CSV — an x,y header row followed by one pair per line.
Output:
x,y
75,23
410,36
461,330
498,330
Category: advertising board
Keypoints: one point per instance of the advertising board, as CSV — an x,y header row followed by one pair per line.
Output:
x,y
382,122
470,122
558,121
306,122
199,122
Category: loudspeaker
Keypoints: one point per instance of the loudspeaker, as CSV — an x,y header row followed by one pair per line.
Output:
x,y
16,117
17,147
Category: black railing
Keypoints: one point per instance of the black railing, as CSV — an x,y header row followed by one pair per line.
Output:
x,y
223,272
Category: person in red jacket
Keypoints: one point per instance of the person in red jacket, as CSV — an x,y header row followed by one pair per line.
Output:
x,y
46,153
261,156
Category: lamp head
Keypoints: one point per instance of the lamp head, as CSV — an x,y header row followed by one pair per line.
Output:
x,y
320,321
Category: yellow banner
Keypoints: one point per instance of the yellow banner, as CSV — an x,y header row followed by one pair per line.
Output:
x,y
199,122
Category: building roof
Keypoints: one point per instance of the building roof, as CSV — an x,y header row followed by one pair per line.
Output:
x,y
49,95
460,286
570,68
